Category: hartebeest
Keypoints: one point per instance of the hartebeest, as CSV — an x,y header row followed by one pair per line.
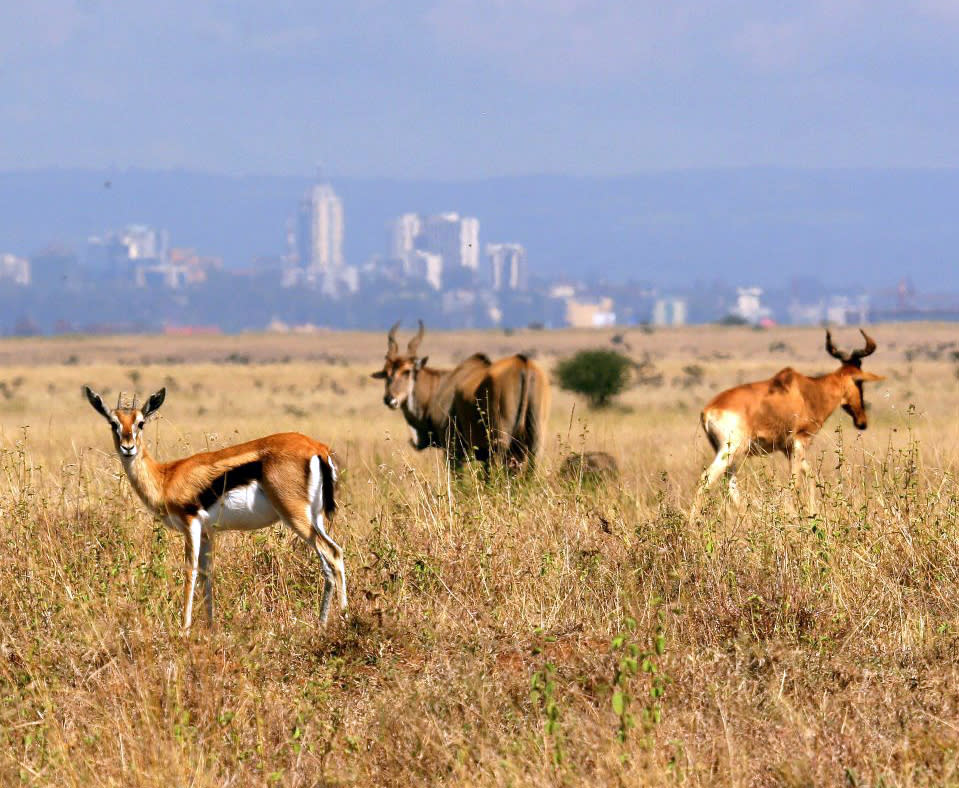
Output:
x,y
287,477
782,414
491,410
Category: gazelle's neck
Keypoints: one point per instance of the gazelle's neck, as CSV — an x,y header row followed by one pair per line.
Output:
x,y
145,477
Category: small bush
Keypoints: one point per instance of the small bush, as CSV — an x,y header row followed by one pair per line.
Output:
x,y
599,375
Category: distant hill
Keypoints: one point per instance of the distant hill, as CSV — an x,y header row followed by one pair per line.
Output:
x,y
757,225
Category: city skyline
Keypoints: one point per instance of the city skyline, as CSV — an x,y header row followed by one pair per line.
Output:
x,y
433,263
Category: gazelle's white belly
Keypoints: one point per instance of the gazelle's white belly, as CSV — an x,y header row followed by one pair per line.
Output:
x,y
241,509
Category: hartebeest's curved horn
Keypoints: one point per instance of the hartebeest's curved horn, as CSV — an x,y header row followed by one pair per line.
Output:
x,y
393,348
833,351
868,350
414,344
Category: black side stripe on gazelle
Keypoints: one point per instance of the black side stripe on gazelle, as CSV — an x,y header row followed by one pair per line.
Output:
x,y
327,485
239,476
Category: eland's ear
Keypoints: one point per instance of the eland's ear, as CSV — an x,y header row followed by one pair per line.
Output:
x,y
868,377
379,374
97,402
420,363
153,404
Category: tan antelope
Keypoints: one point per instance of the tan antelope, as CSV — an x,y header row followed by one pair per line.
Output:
x,y
286,477
494,411
782,414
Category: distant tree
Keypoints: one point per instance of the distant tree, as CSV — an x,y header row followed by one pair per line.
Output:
x,y
733,320
599,375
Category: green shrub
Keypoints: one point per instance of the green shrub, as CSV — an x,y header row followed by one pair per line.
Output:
x,y
598,375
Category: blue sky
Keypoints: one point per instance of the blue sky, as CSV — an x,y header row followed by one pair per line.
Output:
x,y
471,88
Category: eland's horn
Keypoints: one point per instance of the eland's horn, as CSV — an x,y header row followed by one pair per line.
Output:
x,y
393,348
414,344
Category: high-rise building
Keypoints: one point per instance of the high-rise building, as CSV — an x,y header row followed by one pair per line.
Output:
x,y
507,266
403,234
443,249
119,254
454,238
320,230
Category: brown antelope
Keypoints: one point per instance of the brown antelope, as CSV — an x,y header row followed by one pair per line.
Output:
x,y
491,410
287,477
782,414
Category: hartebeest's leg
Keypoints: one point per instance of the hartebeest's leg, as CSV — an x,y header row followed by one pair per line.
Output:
x,y
725,464
191,554
800,473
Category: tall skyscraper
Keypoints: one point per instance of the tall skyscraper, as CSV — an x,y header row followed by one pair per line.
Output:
x,y
453,237
507,266
403,234
319,238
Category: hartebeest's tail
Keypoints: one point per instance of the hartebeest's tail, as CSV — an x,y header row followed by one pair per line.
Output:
x,y
708,429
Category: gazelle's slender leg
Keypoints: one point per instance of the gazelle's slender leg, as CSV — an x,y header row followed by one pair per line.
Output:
x,y
206,573
328,551
191,553
334,554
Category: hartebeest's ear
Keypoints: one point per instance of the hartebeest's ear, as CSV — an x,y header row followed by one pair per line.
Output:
x,y
97,402
867,377
379,374
154,403
420,363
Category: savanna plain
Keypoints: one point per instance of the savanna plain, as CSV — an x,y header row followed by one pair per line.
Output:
x,y
524,631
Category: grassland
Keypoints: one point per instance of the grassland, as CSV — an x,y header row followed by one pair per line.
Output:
x,y
525,632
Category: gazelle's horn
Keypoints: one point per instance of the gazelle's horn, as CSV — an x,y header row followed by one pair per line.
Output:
x,y
119,400
134,401
392,349
414,344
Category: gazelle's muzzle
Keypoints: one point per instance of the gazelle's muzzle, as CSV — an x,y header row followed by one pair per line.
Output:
x,y
390,401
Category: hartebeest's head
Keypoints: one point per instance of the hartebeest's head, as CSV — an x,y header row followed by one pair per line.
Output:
x,y
399,371
853,376
126,421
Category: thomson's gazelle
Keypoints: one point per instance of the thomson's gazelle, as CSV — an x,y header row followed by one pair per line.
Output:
x,y
287,477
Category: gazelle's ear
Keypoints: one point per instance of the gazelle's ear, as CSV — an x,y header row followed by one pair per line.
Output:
x,y
868,377
97,402
379,374
153,404
420,363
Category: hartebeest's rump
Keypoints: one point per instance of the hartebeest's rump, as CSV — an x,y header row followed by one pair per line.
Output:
x,y
490,410
782,414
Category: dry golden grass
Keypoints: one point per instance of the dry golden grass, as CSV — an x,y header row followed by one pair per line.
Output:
x,y
492,623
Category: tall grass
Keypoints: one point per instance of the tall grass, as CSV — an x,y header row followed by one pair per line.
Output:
x,y
533,632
